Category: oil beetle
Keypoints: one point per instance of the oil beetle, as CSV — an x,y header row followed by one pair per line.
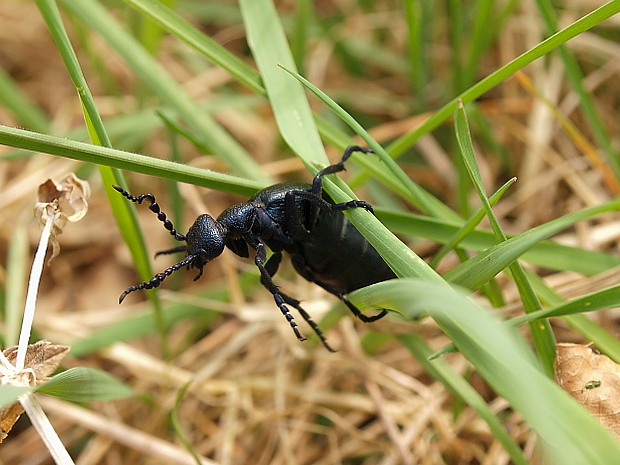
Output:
x,y
297,218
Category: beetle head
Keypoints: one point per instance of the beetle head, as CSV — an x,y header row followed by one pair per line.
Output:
x,y
205,239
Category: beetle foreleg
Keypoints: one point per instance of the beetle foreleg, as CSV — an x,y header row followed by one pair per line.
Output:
x,y
317,183
181,248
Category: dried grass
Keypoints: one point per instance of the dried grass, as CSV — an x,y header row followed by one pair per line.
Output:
x,y
258,396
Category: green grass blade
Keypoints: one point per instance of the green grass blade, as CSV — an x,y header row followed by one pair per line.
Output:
x,y
287,98
177,426
547,254
590,330
169,91
542,333
182,29
9,394
418,20
470,225
481,38
440,116
50,13
502,357
420,198
598,300
75,150
123,213
480,269
83,384
27,113
576,78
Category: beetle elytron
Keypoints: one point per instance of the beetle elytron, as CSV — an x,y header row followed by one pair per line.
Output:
x,y
297,218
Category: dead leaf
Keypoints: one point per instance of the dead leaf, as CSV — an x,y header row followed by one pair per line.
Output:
x,y
43,358
593,380
65,201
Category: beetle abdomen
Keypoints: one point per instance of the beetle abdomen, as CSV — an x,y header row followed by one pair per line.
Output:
x,y
337,257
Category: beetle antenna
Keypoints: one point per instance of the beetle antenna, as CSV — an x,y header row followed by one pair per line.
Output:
x,y
154,207
158,278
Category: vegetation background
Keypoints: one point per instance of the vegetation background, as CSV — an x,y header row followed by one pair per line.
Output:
x,y
221,377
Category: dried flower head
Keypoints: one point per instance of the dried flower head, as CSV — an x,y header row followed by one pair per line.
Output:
x,y
61,202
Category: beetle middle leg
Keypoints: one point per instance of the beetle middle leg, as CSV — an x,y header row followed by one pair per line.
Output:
x,y
271,268
317,183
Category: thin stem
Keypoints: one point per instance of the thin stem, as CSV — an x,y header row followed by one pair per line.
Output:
x,y
33,289
45,429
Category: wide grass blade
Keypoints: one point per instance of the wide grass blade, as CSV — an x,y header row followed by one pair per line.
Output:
x,y
287,97
501,355
75,150
154,76
83,384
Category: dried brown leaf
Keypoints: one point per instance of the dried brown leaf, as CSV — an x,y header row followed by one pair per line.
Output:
x,y
593,380
42,358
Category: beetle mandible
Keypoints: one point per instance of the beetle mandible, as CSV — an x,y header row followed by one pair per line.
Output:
x,y
297,218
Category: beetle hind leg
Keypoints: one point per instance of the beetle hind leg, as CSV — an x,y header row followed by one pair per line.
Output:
x,y
356,311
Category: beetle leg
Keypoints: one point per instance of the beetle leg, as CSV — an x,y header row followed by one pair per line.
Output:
x,y
267,271
259,260
356,311
295,303
181,248
317,183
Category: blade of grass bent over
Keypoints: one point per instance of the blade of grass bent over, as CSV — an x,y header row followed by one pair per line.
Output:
x,y
541,330
290,105
288,100
502,356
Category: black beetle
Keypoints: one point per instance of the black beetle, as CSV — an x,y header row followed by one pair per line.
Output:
x,y
297,218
